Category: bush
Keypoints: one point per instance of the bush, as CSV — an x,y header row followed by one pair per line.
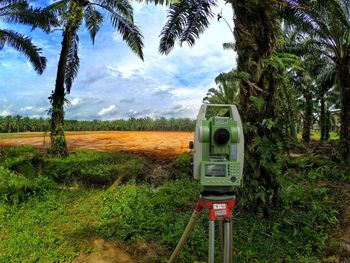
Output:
x,y
90,168
23,160
314,168
95,168
16,188
182,166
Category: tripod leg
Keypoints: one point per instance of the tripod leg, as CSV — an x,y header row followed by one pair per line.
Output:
x,y
221,234
211,253
228,241
231,241
186,233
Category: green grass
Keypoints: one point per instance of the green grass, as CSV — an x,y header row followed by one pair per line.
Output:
x,y
316,135
59,221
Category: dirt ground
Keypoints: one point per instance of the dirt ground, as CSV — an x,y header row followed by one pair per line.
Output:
x,y
160,144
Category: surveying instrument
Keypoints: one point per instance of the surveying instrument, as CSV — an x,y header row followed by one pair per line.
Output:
x,y
218,165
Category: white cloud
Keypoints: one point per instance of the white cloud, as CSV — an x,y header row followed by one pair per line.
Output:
x,y
105,111
33,109
75,101
5,113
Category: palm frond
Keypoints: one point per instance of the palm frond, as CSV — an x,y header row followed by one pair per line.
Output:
x,y
228,46
173,27
160,2
327,76
24,45
20,12
72,65
58,7
186,21
93,21
197,20
122,7
129,32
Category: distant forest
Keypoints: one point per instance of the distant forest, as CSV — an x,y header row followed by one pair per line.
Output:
x,y
18,123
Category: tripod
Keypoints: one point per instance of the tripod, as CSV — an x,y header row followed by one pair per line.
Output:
x,y
220,210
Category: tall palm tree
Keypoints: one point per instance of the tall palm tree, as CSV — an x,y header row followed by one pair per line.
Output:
x,y
328,22
326,81
19,12
73,13
256,30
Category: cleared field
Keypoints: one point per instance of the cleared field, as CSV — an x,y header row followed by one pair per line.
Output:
x,y
144,142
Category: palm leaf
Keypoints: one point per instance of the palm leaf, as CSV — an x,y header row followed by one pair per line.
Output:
x,y
58,7
197,19
24,45
160,2
123,7
93,21
129,32
72,63
228,46
20,12
186,21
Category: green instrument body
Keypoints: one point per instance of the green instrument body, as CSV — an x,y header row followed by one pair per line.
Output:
x,y
218,161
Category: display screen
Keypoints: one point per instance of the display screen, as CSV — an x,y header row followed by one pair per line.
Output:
x,y
216,170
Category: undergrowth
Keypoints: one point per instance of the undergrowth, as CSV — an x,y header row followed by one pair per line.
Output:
x,y
49,211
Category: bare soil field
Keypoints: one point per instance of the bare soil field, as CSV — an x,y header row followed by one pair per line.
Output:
x,y
157,143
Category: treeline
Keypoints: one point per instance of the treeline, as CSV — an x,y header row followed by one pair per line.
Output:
x,y
18,123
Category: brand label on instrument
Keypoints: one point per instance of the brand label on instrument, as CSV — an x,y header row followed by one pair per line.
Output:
x,y
219,206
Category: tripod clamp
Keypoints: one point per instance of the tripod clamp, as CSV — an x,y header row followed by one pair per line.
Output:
x,y
218,209
221,211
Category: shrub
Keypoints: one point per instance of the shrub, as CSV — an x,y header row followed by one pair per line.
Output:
x,y
15,188
182,166
95,168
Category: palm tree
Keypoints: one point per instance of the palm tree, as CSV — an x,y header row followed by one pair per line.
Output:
x,y
256,30
18,122
227,91
73,13
19,12
328,23
326,80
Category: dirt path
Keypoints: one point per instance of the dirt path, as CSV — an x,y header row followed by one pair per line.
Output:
x,y
151,143
104,251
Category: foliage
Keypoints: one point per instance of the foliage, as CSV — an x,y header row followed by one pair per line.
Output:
x,y
16,188
186,21
182,166
314,168
10,124
327,23
227,91
89,168
136,213
20,12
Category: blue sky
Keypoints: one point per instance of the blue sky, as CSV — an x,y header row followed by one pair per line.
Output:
x,y
112,82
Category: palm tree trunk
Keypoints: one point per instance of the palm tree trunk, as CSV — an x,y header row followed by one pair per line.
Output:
x,y
323,121
344,81
255,41
307,116
58,140
327,125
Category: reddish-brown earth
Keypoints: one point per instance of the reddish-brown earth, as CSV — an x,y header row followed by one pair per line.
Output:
x,y
160,144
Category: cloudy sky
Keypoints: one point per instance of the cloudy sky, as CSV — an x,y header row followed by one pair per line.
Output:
x,y
112,82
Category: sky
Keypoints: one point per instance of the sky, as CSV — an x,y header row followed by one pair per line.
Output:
x,y
113,82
